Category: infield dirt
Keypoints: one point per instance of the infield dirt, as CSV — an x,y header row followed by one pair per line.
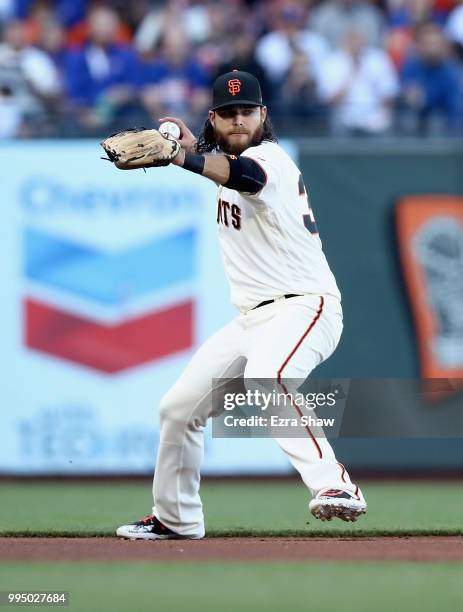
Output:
x,y
424,549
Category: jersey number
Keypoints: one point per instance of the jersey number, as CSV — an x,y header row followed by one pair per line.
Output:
x,y
309,219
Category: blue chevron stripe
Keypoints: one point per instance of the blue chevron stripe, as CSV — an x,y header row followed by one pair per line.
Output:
x,y
108,278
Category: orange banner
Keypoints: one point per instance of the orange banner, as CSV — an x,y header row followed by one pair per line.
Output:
x,y
430,234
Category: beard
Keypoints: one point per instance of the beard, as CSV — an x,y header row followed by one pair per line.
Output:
x,y
237,148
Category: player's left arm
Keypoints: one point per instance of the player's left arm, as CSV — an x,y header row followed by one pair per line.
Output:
x,y
235,172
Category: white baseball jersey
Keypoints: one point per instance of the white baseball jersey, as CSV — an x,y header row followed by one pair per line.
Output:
x,y
269,241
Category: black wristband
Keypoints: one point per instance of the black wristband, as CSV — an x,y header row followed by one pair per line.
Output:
x,y
194,162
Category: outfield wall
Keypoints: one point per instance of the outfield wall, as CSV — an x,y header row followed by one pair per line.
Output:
x,y
355,190
111,279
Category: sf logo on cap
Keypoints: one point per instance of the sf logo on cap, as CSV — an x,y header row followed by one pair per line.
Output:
x,y
234,86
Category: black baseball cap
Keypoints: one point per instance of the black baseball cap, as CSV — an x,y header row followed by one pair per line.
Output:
x,y
236,87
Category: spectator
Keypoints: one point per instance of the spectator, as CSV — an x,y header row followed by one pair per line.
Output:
x,y
227,23
40,14
80,32
298,96
333,18
359,83
242,56
100,77
276,50
28,77
173,82
193,21
52,40
403,16
432,92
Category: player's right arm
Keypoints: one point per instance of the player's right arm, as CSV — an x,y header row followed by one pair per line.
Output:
x,y
240,173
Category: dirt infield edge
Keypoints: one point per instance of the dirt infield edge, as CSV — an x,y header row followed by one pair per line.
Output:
x,y
417,549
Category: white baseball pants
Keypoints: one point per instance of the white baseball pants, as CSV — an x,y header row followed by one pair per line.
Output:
x,y
285,339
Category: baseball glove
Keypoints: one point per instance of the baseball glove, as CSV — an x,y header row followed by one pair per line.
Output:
x,y
140,148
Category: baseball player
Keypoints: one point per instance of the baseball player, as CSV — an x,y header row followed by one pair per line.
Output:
x,y
290,316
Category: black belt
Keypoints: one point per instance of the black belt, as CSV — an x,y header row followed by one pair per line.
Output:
x,y
289,295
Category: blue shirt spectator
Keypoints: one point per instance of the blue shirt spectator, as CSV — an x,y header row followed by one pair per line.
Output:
x,y
172,81
100,77
430,79
92,71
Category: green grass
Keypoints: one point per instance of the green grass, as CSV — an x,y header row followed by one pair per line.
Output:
x,y
240,586
247,508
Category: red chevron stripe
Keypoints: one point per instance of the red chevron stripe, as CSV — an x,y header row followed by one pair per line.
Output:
x,y
108,348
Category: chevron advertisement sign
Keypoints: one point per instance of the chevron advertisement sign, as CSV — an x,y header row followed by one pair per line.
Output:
x,y
108,333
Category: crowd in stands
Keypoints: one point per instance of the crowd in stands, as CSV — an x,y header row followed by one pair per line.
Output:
x,y
86,67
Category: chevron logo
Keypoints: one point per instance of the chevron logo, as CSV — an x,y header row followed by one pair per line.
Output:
x,y
109,310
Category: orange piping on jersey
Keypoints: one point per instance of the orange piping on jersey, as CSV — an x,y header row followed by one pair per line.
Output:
x,y
285,363
307,428
304,335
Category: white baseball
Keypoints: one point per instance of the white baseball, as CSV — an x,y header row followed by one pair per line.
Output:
x,y
169,127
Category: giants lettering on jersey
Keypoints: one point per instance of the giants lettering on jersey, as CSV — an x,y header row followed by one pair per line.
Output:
x,y
227,212
280,251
